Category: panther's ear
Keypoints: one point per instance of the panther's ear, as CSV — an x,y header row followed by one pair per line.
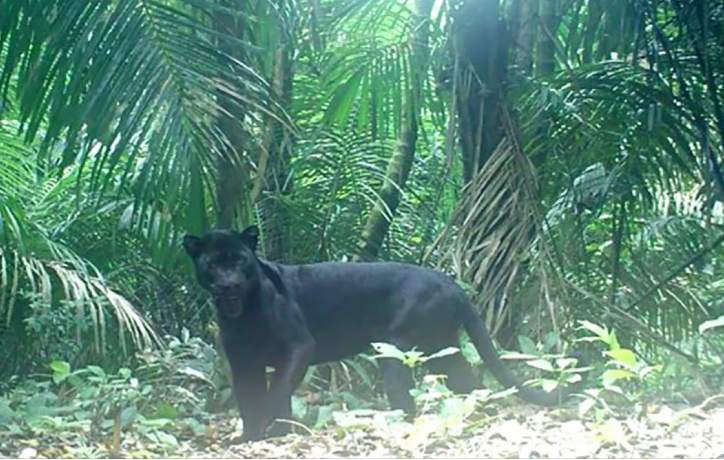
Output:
x,y
250,236
193,245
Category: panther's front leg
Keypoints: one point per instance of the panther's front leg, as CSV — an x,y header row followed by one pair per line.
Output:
x,y
287,376
250,390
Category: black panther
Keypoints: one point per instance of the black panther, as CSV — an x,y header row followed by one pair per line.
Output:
x,y
291,316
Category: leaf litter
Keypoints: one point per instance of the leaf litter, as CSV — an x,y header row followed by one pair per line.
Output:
x,y
518,431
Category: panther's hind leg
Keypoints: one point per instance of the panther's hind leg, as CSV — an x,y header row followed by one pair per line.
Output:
x,y
398,383
460,375
398,380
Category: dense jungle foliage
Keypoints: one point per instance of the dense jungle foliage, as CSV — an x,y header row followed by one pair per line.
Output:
x,y
561,159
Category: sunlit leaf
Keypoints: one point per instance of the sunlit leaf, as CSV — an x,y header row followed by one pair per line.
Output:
x,y
541,364
612,375
623,356
585,406
444,352
549,385
711,324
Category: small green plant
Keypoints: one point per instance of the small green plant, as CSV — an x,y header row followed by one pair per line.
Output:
x,y
442,413
621,366
560,370
163,391
412,358
56,328
100,397
624,376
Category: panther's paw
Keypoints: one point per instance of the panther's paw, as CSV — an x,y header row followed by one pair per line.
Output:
x,y
278,428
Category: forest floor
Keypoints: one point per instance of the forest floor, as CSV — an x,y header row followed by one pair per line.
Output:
x,y
519,431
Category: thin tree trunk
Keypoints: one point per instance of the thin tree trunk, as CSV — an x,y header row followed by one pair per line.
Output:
x,y
398,169
545,54
278,145
522,19
527,35
546,50
231,178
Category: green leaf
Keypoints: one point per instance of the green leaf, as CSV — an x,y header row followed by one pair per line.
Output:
x,y
711,324
444,352
550,340
299,408
343,97
60,367
128,415
613,341
585,406
549,385
324,417
167,439
89,393
6,413
516,355
361,371
165,410
413,358
614,388
600,332
154,422
623,356
61,371
470,353
574,378
526,345
564,363
386,350
197,427
541,364
98,371
613,375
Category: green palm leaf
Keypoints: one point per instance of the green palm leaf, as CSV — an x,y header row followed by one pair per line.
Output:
x,y
133,88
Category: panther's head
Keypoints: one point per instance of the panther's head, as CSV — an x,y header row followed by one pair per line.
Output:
x,y
226,265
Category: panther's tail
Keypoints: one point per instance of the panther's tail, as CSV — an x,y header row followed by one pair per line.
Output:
x,y
480,337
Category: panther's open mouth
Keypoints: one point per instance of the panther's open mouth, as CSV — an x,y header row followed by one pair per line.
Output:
x,y
230,305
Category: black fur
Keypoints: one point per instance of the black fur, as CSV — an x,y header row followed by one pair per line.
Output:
x,y
291,316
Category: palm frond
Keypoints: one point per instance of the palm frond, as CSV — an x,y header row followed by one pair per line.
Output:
x,y
493,228
133,90
35,211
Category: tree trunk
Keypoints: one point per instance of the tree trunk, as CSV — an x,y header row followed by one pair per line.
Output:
x,y
398,169
546,52
522,20
545,57
231,179
481,48
527,34
278,145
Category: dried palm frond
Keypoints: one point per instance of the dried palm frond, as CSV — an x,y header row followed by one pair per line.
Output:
x,y
495,224
93,297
